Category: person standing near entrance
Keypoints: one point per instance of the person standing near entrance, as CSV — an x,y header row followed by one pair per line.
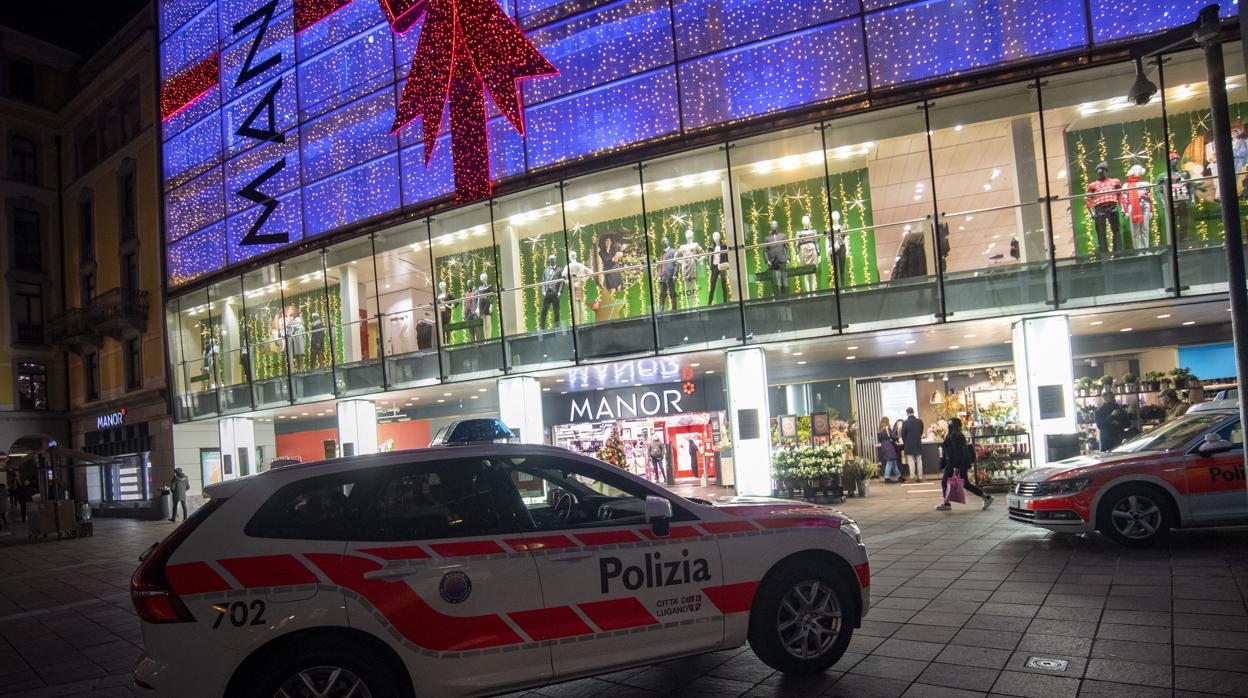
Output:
x,y
656,453
912,444
178,485
888,451
5,507
693,458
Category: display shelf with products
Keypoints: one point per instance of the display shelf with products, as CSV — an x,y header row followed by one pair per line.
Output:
x,y
1001,454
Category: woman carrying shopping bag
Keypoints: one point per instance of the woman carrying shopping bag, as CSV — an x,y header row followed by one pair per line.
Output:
x,y
956,457
888,451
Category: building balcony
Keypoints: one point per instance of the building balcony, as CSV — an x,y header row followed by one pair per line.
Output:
x,y
110,314
118,310
73,330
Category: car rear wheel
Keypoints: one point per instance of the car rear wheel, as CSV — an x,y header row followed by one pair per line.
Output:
x,y
1134,515
324,673
803,618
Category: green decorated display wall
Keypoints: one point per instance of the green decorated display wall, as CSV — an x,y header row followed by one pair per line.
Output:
x,y
268,357
1143,142
462,274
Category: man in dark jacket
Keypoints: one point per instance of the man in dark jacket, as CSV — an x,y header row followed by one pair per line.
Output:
x,y
912,444
1111,422
178,485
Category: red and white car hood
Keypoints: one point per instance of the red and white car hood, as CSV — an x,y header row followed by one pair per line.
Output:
x,y
771,508
1093,462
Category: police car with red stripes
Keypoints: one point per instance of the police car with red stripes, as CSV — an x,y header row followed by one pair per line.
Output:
x,y
477,567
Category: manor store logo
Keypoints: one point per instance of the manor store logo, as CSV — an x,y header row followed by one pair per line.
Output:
x,y
110,420
626,405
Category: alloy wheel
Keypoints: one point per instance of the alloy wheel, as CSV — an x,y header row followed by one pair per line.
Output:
x,y
809,619
324,682
1136,517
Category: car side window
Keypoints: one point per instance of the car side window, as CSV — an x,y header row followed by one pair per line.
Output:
x,y
561,494
444,499
1234,433
318,508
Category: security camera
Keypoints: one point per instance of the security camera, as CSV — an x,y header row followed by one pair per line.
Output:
x,y
1143,89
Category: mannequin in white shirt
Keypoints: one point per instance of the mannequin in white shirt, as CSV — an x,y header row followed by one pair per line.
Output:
x,y
576,272
808,252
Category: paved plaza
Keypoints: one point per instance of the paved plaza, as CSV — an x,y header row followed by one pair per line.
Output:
x,y
966,603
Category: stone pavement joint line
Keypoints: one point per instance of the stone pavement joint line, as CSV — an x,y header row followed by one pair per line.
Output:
x,y
963,601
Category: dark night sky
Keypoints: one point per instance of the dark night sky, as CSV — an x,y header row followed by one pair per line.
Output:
x,y
82,26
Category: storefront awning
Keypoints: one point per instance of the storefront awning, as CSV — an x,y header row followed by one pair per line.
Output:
x,y
68,457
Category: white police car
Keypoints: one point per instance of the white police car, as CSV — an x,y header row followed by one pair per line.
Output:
x,y
478,569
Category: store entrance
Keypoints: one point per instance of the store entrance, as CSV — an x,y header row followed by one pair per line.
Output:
x,y
689,447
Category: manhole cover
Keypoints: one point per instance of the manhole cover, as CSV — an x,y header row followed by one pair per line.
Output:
x,y
1047,664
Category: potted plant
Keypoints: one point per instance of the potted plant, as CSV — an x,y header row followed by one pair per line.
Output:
x,y
1152,381
865,470
1083,386
1130,382
1107,383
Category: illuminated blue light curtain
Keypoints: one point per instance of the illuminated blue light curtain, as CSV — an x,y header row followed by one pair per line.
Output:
x,y
347,23
703,26
367,190
175,13
611,43
279,37
194,256
607,117
810,66
194,205
349,70
355,133
193,152
195,41
1121,19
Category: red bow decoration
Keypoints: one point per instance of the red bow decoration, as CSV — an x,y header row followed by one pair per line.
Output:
x,y
465,48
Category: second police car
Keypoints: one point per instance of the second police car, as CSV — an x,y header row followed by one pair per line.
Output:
x,y
480,569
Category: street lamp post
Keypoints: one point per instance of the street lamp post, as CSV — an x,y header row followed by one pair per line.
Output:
x,y
1206,32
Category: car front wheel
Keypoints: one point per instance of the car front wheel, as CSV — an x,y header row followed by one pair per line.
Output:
x,y
803,618
1134,515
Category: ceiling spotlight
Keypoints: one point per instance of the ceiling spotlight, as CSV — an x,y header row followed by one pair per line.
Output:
x,y
1163,316
1097,322
850,358
1189,322
1125,329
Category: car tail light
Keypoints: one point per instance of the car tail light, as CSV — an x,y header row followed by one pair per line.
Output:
x,y
153,596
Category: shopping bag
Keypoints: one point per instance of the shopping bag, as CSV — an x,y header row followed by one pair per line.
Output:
x,y
955,491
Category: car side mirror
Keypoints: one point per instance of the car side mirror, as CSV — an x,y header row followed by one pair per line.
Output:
x,y
1214,445
659,515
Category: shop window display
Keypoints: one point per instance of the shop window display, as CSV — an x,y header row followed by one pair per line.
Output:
x,y
1194,199
465,269
537,311
881,190
991,234
607,263
226,350
692,248
312,326
405,293
193,341
264,334
349,268
1104,157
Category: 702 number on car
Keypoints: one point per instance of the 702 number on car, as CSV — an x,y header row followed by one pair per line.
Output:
x,y
239,613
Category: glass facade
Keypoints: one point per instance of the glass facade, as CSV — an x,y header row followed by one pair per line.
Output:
x,y
277,116
1047,194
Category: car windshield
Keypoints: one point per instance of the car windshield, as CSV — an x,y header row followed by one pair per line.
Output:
x,y
1172,435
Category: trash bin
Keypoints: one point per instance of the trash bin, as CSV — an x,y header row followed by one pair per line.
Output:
x,y
166,503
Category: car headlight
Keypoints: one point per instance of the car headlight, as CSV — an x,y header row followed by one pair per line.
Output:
x,y
1068,486
852,529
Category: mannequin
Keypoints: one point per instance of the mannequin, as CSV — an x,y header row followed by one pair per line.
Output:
x,y
719,269
483,303
277,333
575,273
317,328
776,254
690,255
446,308
1182,196
1137,203
552,289
296,340
808,252
837,251
1102,202
911,256
667,276
211,349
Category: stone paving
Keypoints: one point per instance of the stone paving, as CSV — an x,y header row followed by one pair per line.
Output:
x,y
963,602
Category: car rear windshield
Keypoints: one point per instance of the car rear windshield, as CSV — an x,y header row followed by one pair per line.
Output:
x,y
1172,435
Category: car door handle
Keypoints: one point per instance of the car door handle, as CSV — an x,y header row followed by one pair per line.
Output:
x,y
570,557
399,573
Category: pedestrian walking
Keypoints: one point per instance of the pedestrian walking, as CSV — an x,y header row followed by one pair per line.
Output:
x,y
178,486
656,453
24,494
912,443
888,451
956,457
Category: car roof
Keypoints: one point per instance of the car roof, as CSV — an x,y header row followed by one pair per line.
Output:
x,y
377,460
1215,406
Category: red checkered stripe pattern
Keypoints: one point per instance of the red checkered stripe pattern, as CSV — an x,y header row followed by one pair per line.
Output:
x,y
412,618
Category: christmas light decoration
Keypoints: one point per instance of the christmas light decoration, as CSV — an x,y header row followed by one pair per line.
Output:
x,y
182,91
466,47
